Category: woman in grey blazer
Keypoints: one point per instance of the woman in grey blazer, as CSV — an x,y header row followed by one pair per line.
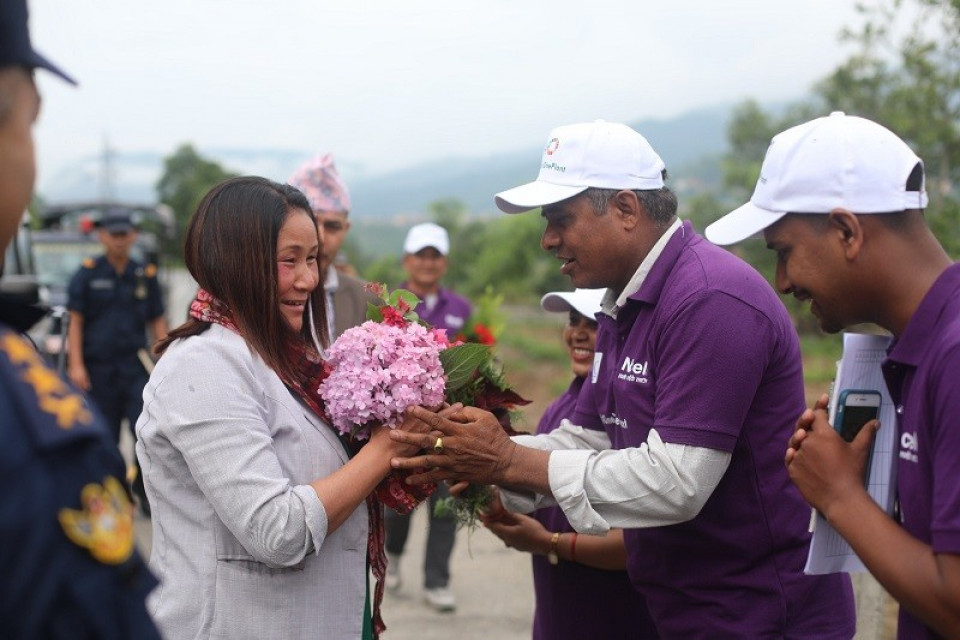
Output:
x,y
261,523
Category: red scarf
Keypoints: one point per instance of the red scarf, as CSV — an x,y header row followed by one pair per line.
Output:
x,y
392,491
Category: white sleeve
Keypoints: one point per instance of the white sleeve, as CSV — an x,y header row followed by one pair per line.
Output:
x,y
213,413
566,436
652,485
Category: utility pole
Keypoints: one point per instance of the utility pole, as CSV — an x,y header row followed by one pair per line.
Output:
x,y
107,172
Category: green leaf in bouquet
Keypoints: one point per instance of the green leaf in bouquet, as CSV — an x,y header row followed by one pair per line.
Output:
x,y
465,509
402,294
374,313
461,362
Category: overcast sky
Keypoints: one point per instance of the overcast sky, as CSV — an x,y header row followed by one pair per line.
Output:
x,y
386,83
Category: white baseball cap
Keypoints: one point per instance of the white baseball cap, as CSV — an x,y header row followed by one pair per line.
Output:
x,y
426,235
828,163
586,302
606,155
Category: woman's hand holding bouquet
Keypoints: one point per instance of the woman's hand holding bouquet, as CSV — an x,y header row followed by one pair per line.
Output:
x,y
376,371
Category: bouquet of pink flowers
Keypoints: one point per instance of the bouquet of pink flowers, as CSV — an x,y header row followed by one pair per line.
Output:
x,y
381,368
392,361
373,372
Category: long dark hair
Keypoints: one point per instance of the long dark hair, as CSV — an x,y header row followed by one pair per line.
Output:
x,y
231,251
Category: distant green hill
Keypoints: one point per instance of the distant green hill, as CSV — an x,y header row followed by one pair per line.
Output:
x,y
689,144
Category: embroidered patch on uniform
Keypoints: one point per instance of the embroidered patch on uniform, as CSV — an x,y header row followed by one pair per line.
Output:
x,y
150,270
53,395
105,524
88,263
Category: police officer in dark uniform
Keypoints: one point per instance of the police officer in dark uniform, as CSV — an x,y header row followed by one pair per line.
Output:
x,y
112,301
68,566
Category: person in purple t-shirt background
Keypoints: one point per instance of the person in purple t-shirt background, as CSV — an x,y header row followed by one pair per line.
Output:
x,y
841,202
425,261
581,584
678,432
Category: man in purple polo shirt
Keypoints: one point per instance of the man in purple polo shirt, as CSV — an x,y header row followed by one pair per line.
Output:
x,y
677,435
582,590
840,199
425,262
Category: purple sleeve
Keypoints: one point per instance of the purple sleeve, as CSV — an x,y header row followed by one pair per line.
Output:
x,y
945,523
560,408
712,356
586,414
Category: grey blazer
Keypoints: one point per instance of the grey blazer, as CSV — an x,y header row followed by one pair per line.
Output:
x,y
240,541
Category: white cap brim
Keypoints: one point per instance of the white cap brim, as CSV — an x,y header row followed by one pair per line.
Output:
x,y
534,194
585,301
741,223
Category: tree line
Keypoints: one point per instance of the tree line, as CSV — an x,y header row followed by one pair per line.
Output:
x,y
904,72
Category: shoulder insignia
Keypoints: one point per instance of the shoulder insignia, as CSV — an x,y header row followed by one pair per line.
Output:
x,y
54,396
104,526
150,270
89,263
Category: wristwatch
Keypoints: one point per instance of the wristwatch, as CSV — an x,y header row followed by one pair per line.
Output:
x,y
552,554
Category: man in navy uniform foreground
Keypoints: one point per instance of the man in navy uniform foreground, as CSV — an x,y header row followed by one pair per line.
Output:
x,y
68,567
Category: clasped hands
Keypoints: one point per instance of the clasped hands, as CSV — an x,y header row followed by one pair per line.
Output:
x,y
454,444
825,468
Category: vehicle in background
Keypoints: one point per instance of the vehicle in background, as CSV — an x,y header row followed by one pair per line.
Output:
x,y
18,278
63,237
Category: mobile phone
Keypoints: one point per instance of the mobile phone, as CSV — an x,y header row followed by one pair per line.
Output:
x,y
855,408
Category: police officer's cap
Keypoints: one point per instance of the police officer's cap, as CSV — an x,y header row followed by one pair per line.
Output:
x,y
116,221
15,47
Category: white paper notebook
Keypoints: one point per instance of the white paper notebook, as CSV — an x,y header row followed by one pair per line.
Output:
x,y
859,368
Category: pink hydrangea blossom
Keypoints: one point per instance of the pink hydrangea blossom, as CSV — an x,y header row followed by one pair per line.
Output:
x,y
380,369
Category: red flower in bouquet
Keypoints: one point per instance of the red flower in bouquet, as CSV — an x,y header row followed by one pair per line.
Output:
x,y
396,316
479,333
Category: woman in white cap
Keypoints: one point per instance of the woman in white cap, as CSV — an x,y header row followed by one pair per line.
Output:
x,y
581,584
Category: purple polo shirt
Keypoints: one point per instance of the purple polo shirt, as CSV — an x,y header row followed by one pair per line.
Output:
x,y
706,353
574,601
922,371
451,312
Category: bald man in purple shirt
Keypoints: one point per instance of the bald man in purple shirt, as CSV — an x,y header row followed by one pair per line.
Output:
x,y
841,200
678,433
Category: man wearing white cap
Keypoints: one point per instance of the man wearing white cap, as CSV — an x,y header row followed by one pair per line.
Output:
x,y
696,383
840,200
425,261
